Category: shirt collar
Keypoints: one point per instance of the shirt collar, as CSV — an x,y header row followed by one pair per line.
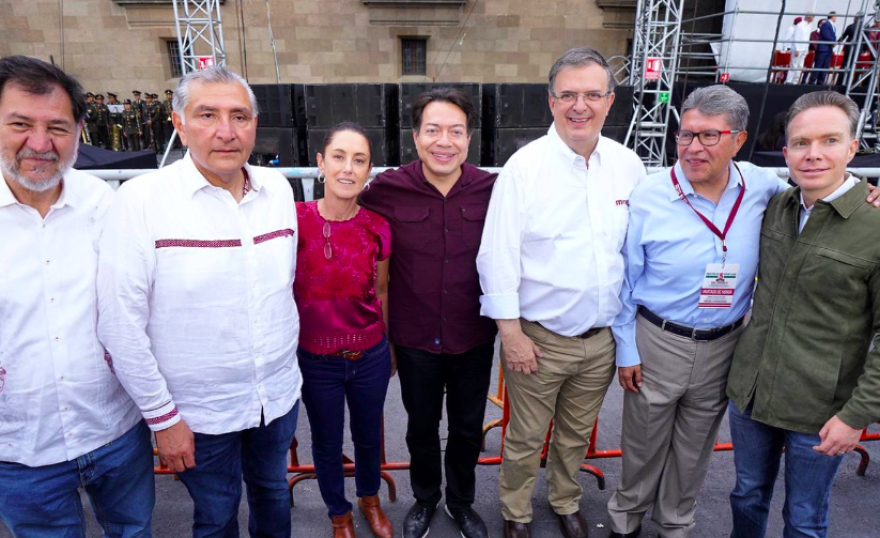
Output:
x,y
194,181
734,180
844,187
68,195
571,157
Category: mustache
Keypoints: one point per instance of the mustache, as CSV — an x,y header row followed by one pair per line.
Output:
x,y
29,153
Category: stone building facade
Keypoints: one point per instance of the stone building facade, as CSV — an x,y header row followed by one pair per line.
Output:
x,y
120,45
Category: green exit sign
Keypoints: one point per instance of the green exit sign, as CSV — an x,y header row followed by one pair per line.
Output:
x,y
664,97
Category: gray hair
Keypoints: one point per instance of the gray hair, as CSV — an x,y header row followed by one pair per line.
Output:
x,y
218,74
579,57
716,100
825,98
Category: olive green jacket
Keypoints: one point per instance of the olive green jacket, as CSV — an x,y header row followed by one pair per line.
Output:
x,y
804,356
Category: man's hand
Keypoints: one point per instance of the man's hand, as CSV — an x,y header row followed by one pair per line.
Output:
x,y
177,448
517,349
630,377
873,195
837,438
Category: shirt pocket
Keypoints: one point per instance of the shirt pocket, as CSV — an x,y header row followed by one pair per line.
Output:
x,y
844,273
473,218
414,228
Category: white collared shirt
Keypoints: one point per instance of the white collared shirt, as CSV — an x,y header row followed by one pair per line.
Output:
x,y
847,184
195,296
58,396
551,247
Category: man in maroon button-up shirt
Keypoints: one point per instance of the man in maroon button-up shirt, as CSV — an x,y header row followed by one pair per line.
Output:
x,y
436,206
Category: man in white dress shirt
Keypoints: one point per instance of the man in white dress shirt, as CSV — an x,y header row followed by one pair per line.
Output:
x,y
196,306
799,44
65,421
551,269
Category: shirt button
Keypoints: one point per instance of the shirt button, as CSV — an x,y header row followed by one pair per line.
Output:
x,y
57,338
47,262
446,261
446,230
444,319
445,292
436,341
51,299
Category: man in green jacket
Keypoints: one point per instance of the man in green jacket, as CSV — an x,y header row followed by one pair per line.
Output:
x,y
802,377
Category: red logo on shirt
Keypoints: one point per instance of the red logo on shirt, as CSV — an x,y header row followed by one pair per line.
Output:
x,y
622,202
109,360
2,378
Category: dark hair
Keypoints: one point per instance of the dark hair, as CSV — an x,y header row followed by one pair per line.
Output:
x,y
579,57
346,126
40,78
444,95
825,98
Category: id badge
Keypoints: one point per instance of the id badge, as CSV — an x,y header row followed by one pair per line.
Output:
x,y
719,285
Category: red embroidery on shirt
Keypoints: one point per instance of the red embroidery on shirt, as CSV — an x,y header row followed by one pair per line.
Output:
x,y
272,235
198,243
622,202
158,420
2,378
109,360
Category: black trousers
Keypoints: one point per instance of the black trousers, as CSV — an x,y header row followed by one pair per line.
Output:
x,y
465,379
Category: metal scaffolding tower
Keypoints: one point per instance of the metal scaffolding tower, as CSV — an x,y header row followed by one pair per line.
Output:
x,y
654,67
861,78
199,39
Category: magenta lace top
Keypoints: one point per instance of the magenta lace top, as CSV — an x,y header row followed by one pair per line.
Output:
x,y
335,286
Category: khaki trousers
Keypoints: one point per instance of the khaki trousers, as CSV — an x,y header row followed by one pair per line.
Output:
x,y
569,386
669,429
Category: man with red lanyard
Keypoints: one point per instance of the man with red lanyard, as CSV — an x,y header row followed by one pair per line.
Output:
x,y
691,256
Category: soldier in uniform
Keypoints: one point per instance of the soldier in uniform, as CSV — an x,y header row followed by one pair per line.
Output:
x,y
139,106
131,127
91,126
102,122
156,113
166,115
115,117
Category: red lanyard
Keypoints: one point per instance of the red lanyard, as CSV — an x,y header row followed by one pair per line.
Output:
x,y
709,224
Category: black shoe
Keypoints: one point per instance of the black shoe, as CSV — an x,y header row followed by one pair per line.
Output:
x,y
573,525
417,522
632,534
514,529
469,522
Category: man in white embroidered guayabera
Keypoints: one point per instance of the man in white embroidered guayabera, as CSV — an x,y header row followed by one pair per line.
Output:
x,y
196,306
65,421
551,269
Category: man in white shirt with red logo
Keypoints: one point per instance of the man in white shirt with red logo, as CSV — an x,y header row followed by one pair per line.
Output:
x,y
196,306
65,421
551,269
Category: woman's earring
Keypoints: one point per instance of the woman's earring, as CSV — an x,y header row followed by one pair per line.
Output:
x,y
321,179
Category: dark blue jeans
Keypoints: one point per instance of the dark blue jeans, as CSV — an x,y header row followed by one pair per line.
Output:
x,y
328,381
822,61
259,455
37,502
808,478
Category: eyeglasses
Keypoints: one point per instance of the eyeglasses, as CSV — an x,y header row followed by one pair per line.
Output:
x,y
570,98
709,137
328,248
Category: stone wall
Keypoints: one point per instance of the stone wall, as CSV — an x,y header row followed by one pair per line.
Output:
x,y
120,45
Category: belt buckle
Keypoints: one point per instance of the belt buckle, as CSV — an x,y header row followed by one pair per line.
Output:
x,y
351,355
694,334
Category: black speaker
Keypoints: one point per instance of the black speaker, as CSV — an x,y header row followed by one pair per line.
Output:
x,y
408,147
508,141
276,104
522,105
281,143
410,91
385,148
615,132
621,112
369,105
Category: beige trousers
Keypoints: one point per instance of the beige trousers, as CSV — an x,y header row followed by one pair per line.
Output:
x,y
669,429
569,386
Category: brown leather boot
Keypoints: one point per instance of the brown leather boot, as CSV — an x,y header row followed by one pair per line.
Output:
x,y
343,526
372,510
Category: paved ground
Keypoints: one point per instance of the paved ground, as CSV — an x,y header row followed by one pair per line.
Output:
x,y
854,504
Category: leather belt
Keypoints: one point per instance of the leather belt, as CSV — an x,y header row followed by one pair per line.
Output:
x,y
591,333
703,335
350,355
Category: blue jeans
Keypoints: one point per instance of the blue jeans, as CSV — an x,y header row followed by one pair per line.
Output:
x,y
328,381
38,502
808,478
259,455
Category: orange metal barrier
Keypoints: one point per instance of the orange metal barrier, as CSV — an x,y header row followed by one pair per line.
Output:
x,y
865,457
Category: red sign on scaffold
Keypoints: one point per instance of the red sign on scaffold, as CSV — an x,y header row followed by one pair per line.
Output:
x,y
725,77
653,66
205,62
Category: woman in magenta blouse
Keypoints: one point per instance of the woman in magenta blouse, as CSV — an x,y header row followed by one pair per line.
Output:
x,y
341,290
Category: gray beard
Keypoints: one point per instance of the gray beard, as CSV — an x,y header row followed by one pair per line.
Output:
x,y
11,172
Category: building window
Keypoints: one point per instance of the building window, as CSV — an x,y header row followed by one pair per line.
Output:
x,y
414,55
174,58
